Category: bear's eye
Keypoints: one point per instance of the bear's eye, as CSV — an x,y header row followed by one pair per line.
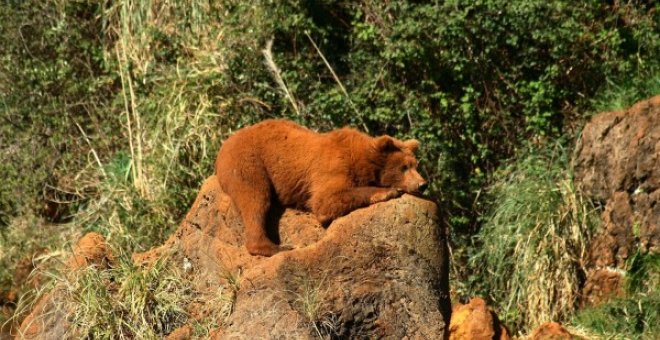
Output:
x,y
404,168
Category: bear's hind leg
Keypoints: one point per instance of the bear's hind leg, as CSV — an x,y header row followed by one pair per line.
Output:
x,y
252,199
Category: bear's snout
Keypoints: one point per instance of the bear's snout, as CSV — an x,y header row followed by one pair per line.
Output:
x,y
415,183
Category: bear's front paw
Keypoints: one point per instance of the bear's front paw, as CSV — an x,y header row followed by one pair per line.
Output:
x,y
386,195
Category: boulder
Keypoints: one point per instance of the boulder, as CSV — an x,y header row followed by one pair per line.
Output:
x,y
617,164
47,319
602,284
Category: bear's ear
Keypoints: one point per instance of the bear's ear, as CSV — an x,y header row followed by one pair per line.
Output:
x,y
384,143
411,144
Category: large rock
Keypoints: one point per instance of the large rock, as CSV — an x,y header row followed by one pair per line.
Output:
x,y
618,165
380,271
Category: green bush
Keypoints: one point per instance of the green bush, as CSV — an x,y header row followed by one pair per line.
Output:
x,y
54,93
471,79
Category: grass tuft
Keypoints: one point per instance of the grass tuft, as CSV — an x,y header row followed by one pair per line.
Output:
x,y
636,315
618,96
531,251
126,301
633,317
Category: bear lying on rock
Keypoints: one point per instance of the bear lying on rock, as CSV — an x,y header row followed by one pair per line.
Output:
x,y
329,174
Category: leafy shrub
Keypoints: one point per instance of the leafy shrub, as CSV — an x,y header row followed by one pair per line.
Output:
x,y
55,92
471,79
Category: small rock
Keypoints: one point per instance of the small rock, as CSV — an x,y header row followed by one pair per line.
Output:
x,y
551,331
475,321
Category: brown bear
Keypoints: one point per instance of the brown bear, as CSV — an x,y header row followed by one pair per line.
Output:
x,y
329,174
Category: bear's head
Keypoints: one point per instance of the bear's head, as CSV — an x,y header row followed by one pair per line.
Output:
x,y
399,169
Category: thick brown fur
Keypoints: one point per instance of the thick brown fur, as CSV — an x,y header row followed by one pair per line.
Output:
x,y
329,174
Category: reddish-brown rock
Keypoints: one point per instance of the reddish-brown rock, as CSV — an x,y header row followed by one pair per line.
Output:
x,y
551,331
476,321
618,165
601,285
181,333
91,250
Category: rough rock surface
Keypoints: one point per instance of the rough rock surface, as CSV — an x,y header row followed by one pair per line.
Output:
x,y
618,165
28,274
551,331
602,284
380,271
476,321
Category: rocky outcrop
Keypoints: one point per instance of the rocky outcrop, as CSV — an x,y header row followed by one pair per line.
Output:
x,y
618,165
380,271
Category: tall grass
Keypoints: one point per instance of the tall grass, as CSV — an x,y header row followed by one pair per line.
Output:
x,y
164,123
634,317
530,254
135,302
169,58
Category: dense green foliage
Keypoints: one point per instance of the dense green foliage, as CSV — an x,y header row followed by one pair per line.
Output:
x,y
471,79
111,112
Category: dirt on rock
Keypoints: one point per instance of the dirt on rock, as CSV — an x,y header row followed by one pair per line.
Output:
x,y
476,321
602,285
381,271
617,165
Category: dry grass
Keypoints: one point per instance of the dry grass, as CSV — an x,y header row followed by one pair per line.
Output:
x,y
126,301
172,125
